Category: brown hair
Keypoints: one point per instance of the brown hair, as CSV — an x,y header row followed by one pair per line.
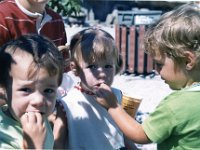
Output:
x,y
94,44
45,55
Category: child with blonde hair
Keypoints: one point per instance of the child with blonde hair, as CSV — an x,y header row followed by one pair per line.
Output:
x,y
174,44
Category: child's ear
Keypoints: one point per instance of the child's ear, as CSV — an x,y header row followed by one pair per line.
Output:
x,y
190,60
74,68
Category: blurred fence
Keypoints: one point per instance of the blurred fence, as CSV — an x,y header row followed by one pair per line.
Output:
x,y
129,37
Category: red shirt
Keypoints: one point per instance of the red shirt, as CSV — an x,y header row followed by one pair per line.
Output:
x,y
14,23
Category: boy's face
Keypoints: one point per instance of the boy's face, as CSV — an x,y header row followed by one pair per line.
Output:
x,y
34,94
92,75
173,75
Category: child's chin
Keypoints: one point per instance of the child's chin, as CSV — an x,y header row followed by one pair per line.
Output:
x,y
173,87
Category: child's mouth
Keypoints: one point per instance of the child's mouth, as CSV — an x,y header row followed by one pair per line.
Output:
x,y
96,87
99,84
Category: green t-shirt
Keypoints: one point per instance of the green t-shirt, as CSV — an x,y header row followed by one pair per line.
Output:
x,y
175,124
11,133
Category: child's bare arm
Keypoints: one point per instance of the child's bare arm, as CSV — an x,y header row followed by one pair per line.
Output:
x,y
60,128
131,128
34,130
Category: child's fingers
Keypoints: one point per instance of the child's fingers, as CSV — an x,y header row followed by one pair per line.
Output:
x,y
105,87
24,118
31,117
39,118
105,96
104,91
34,118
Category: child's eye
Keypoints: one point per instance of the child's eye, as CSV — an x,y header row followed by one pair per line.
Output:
x,y
27,90
49,91
108,66
92,66
159,65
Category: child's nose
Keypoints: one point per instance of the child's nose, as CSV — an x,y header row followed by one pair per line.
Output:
x,y
101,69
101,72
38,99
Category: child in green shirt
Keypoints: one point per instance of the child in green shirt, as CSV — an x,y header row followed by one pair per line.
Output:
x,y
174,44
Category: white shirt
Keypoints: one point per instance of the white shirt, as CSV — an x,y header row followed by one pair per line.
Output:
x,y
90,126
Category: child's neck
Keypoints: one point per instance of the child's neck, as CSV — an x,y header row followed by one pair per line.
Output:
x,y
32,8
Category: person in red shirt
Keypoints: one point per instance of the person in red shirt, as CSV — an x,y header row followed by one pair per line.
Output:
x,y
19,17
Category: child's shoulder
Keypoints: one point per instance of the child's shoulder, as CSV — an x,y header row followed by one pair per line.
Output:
x,y
180,99
72,94
5,119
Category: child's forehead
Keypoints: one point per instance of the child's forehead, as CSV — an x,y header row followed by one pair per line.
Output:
x,y
40,77
99,58
24,68
22,56
17,52
96,62
22,60
102,61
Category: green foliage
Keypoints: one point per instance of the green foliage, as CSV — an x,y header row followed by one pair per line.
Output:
x,y
66,7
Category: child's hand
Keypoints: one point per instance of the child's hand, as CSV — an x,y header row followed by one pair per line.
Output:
x,y
59,125
34,130
106,97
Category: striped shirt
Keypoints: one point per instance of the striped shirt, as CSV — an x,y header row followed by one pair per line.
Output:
x,y
16,21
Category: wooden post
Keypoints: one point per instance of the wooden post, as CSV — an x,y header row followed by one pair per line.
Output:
x,y
141,53
123,46
131,53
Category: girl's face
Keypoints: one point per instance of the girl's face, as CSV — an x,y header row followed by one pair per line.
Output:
x,y
173,75
35,94
92,75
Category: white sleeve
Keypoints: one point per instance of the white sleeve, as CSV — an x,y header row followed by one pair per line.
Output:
x,y
66,85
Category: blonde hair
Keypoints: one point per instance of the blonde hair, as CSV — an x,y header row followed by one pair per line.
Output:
x,y
175,32
94,44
